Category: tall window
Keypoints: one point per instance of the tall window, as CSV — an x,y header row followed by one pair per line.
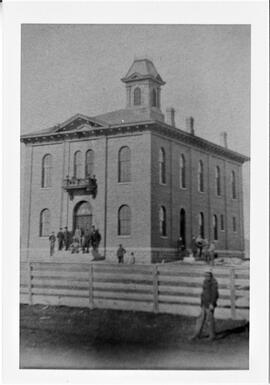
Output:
x,y
218,182
233,182
182,171
137,96
201,225
162,221
162,166
124,160
78,166
200,177
89,163
215,227
222,226
124,220
46,178
234,224
154,98
44,223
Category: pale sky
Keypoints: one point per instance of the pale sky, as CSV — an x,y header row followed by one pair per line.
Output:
x,y
69,69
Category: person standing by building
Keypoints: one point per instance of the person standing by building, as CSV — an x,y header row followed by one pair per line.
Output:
x,y
131,259
60,237
120,254
86,242
67,238
52,240
209,297
211,253
193,247
199,244
180,248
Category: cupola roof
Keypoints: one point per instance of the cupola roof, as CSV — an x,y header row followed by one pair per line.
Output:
x,y
142,69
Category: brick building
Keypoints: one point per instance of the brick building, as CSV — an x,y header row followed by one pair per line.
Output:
x,y
154,181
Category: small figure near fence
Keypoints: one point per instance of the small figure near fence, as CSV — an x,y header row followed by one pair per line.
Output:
x,y
209,297
120,254
131,259
210,255
60,237
52,240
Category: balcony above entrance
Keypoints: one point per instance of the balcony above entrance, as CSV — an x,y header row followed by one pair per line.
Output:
x,y
80,186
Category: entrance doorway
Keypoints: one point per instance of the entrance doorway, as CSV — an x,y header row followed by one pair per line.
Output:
x,y
183,226
82,216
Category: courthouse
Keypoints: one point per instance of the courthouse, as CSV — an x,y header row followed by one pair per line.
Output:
x,y
136,176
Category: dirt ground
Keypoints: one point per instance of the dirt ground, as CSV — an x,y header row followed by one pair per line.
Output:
x,y
73,338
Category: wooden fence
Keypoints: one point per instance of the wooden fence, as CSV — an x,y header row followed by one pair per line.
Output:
x,y
160,288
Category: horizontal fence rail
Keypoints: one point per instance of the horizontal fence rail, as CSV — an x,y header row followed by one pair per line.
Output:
x,y
159,288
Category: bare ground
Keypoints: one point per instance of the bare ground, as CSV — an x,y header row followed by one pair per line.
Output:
x,y
73,338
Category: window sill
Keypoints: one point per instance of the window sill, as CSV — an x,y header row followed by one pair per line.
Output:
x,y
164,236
124,236
162,184
183,188
45,188
124,182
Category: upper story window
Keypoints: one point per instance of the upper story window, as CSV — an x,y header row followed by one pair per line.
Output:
x,y
124,220
162,221
44,223
78,165
162,166
218,181
124,160
215,227
137,97
182,174
89,163
233,185
46,178
200,176
154,98
201,225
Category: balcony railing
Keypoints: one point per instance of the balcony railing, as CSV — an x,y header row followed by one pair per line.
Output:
x,y
80,185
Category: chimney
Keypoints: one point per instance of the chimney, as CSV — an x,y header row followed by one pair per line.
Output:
x,y
190,125
170,113
224,139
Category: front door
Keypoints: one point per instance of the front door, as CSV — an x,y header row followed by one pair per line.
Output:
x,y
83,216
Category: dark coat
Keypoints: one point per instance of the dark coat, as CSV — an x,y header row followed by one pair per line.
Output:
x,y
209,294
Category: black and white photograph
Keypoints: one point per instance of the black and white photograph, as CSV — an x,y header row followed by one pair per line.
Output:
x,y
135,141
135,196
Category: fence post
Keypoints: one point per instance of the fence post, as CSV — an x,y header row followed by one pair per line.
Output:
x,y
155,288
232,289
91,279
29,283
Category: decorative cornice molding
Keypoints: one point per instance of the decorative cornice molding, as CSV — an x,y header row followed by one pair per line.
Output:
x,y
159,127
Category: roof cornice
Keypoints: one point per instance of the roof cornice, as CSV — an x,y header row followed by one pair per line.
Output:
x,y
154,126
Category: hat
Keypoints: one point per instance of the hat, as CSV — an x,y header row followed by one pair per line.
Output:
x,y
208,272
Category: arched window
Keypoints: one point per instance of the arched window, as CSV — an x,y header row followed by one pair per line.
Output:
x,y
78,166
182,175
201,225
137,96
162,166
234,224
46,178
124,220
89,163
124,160
154,98
215,227
233,182
218,181
162,221
44,223
200,177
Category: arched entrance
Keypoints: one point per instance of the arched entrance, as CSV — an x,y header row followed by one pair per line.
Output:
x,y
82,216
183,225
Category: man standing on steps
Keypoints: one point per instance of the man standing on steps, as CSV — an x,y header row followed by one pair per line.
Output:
x,y
60,237
52,240
209,297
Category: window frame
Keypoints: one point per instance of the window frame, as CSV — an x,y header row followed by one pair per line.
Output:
x,y
182,172
218,181
162,166
92,163
163,231
137,96
201,177
76,164
215,227
46,171
127,221
124,166
42,223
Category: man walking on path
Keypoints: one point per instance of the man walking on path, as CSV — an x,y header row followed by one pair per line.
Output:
x,y
60,237
120,254
52,240
209,297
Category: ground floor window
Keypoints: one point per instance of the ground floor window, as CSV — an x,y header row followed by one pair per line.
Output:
x,y
44,223
162,221
124,220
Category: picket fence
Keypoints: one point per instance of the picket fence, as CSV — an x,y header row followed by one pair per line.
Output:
x,y
160,288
